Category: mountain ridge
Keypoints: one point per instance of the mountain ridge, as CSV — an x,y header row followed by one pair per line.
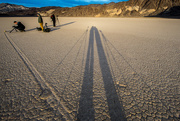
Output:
x,y
131,8
6,7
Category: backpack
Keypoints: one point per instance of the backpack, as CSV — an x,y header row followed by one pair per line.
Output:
x,y
39,28
47,30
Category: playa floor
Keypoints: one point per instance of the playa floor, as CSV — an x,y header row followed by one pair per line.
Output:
x,y
90,69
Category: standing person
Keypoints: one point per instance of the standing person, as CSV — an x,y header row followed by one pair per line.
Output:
x,y
53,19
40,21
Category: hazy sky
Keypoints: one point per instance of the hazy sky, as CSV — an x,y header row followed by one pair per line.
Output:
x,y
61,3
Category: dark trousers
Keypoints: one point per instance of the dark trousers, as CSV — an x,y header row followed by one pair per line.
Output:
x,y
54,23
20,28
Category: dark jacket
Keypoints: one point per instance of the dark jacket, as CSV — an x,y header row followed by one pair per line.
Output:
x,y
40,20
53,17
20,26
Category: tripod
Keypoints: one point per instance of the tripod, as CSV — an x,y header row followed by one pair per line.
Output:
x,y
57,19
13,29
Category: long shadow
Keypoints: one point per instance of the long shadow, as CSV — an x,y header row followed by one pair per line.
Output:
x,y
115,107
58,27
66,24
63,24
53,28
86,110
30,29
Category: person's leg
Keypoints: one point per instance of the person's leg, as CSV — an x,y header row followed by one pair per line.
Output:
x,y
54,23
41,25
21,29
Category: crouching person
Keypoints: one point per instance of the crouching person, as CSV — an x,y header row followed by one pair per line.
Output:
x,y
19,26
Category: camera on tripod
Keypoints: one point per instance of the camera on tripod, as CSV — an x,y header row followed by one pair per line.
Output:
x,y
14,28
18,27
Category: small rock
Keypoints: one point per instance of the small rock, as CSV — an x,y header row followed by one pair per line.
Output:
x,y
8,80
122,85
134,73
45,94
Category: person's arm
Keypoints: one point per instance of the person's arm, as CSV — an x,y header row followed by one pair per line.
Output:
x,y
16,26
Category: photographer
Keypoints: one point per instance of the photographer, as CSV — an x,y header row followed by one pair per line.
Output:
x,y
53,19
19,26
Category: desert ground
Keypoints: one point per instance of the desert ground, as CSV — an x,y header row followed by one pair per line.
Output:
x,y
86,69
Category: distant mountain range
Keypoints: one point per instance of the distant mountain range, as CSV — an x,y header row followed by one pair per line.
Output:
x,y
131,8
5,7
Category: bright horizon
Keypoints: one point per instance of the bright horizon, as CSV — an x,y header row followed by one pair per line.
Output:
x,y
60,3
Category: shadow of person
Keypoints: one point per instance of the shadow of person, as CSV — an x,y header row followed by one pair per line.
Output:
x,y
59,26
86,109
31,29
52,28
66,24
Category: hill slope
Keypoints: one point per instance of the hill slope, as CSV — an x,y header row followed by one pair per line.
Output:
x,y
131,8
5,7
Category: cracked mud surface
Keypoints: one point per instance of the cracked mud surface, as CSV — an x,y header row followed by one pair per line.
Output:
x,y
91,69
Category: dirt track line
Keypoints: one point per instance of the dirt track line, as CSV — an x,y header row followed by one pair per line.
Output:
x,y
41,81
